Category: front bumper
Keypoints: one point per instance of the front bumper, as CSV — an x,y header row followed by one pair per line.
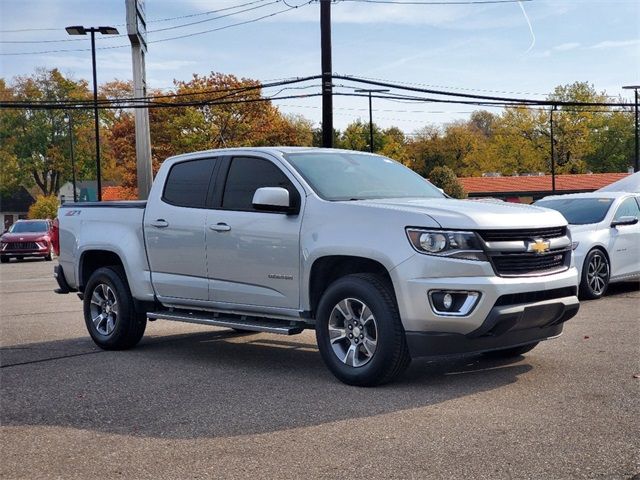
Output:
x,y
414,278
506,326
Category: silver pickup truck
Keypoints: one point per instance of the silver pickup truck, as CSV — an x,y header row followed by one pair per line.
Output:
x,y
377,260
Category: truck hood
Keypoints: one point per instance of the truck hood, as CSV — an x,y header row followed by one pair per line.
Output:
x,y
465,214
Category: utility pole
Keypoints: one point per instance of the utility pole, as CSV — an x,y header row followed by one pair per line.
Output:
x,y
636,163
327,73
73,162
370,91
553,157
137,31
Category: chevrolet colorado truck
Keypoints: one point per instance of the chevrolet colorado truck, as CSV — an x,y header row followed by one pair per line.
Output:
x,y
377,260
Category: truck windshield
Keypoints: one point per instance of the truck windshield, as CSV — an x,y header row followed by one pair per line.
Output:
x,y
29,227
579,211
359,176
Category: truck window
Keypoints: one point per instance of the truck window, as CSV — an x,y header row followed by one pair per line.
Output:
x,y
246,175
188,182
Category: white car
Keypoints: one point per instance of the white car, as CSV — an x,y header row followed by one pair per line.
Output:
x,y
606,236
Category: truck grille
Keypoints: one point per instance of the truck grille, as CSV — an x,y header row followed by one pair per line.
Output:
x,y
523,264
22,246
527,234
510,261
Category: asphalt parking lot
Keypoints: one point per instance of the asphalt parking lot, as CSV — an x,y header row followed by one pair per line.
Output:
x,y
199,402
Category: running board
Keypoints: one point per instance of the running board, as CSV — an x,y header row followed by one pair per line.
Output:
x,y
253,324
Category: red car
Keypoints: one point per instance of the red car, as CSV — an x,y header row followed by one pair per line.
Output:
x,y
27,238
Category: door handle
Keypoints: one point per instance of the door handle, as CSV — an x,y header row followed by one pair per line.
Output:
x,y
160,223
220,227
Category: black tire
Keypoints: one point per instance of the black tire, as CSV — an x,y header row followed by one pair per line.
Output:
x,y
128,325
5,259
391,355
49,257
593,288
511,352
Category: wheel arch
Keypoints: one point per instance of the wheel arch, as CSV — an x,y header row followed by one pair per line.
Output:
x,y
92,260
327,269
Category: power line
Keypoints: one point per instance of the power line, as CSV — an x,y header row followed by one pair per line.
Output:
x,y
233,90
173,27
21,30
505,100
199,103
245,22
417,2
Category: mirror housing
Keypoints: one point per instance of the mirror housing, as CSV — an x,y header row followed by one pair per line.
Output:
x,y
273,199
626,220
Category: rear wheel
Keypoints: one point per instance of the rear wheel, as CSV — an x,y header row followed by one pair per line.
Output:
x,y
359,332
511,352
109,312
595,275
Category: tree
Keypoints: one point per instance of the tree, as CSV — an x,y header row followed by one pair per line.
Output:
x,y
44,207
445,178
36,141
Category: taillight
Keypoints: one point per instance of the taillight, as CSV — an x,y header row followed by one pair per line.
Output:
x,y
55,236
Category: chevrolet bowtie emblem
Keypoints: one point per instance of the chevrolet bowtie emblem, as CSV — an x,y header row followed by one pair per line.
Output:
x,y
539,246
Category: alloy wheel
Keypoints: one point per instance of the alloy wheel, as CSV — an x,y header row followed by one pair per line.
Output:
x,y
353,332
104,309
598,273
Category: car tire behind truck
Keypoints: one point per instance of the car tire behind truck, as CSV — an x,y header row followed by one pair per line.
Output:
x,y
109,312
359,331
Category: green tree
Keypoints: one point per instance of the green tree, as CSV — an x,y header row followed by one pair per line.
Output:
x,y
445,178
35,142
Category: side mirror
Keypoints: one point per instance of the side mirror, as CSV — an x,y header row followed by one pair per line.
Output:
x,y
626,220
272,199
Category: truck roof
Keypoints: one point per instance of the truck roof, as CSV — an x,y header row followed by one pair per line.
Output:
x,y
272,150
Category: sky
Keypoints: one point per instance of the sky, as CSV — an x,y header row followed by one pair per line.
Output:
x,y
521,49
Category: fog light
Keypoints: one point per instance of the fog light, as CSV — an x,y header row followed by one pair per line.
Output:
x,y
447,301
457,303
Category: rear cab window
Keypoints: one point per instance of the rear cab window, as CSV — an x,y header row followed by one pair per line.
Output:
x,y
187,183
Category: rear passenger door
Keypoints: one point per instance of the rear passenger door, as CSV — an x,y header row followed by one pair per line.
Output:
x,y
253,256
175,232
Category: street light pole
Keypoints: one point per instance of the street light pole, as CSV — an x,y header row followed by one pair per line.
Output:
x,y
636,164
553,157
80,30
96,119
73,162
370,91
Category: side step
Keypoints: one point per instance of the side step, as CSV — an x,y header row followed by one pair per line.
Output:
x,y
240,322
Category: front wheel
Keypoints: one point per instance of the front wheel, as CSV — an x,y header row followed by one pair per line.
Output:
x,y
595,275
49,257
511,352
109,312
359,332
4,259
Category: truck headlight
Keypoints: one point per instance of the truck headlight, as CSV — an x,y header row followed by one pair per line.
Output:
x,y
447,243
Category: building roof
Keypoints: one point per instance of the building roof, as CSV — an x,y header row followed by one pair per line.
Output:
x,y
18,201
523,185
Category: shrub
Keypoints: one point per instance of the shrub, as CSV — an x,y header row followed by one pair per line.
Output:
x,y
44,207
444,178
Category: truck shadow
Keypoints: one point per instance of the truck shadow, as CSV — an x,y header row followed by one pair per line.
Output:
x,y
216,384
